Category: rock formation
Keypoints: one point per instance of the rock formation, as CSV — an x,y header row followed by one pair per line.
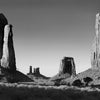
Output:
x,y
30,71
37,70
5,56
95,54
3,22
36,74
67,69
12,59
8,56
93,73
67,66
8,72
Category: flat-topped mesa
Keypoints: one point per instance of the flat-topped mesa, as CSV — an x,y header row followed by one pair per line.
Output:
x,y
3,22
8,58
67,66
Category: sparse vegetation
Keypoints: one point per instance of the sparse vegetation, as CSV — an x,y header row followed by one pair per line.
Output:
x,y
77,83
87,80
31,92
57,82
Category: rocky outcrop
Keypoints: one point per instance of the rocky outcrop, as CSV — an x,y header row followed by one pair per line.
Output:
x,y
36,74
3,22
8,72
67,69
37,70
8,56
30,70
95,52
5,56
67,66
12,58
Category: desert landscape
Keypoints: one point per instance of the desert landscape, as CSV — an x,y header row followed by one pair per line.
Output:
x,y
67,83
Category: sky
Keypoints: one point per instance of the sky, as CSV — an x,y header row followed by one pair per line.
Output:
x,y
45,31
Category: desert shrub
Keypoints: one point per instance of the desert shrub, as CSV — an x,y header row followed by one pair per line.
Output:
x,y
87,80
57,82
77,83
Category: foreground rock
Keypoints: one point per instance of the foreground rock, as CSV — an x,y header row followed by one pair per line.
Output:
x,y
92,75
8,57
8,72
37,77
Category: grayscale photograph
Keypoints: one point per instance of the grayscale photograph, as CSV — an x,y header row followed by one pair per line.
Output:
x,y
49,49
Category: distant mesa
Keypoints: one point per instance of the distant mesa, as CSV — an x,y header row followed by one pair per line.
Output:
x,y
67,69
8,56
67,66
35,74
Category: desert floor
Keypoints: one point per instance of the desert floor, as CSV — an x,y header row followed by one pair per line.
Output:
x,y
17,91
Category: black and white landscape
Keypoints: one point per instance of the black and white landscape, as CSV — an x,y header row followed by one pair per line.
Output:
x,y
50,50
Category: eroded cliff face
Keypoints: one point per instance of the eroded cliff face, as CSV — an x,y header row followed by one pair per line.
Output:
x,y
95,50
8,56
67,70
67,66
36,75
7,53
3,22
8,72
12,58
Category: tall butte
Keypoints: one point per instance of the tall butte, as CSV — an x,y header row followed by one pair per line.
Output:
x,y
7,53
95,55
3,22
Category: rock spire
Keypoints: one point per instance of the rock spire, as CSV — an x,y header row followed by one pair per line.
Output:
x,y
8,56
95,55
3,22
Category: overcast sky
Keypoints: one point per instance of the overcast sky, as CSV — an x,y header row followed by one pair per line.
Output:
x,y
47,30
